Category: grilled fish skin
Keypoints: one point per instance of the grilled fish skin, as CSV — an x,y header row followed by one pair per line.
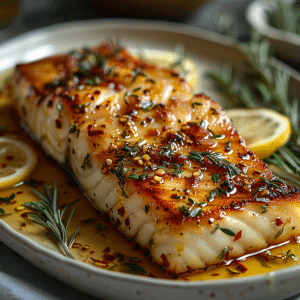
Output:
x,y
168,167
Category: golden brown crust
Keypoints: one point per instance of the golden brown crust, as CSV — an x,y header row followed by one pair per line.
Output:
x,y
188,141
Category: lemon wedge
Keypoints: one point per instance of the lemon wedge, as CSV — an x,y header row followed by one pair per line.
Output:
x,y
17,161
170,60
264,130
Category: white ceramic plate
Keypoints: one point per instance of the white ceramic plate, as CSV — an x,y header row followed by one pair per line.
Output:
x,y
209,51
285,44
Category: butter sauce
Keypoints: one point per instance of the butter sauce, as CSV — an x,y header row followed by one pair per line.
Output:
x,y
98,242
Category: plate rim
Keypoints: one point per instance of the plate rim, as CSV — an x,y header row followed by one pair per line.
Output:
x,y
256,17
165,26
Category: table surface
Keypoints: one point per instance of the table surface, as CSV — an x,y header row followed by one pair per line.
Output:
x,y
17,276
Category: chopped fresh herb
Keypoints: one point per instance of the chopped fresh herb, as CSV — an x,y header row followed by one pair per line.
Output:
x,y
216,136
73,128
224,230
88,221
171,146
2,127
86,162
280,232
136,89
2,211
121,173
196,103
216,177
8,199
224,252
216,159
214,110
211,196
220,191
204,124
271,184
228,146
290,255
192,211
136,74
146,208
31,182
94,81
134,268
100,227
143,176
264,209
133,176
125,135
82,105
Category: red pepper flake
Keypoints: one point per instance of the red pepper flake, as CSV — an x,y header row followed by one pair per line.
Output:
x,y
92,132
107,249
215,274
3,165
9,157
264,256
25,215
100,263
58,123
242,267
279,221
238,236
165,260
227,256
19,192
108,257
121,211
22,225
127,222
76,245
92,252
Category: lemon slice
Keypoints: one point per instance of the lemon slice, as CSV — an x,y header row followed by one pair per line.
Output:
x,y
264,130
169,59
17,161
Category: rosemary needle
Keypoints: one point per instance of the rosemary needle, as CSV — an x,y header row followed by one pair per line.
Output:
x,y
262,84
50,217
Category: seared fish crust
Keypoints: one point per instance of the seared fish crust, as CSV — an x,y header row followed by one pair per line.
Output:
x,y
168,167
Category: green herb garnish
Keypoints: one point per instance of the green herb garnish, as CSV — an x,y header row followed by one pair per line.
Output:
x,y
216,159
263,85
224,230
50,217
86,162
8,199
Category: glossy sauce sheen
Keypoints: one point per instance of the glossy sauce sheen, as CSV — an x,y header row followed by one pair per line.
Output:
x,y
92,242
167,167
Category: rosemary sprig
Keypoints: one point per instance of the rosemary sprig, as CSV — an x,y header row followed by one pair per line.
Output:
x,y
262,85
50,217
216,159
285,15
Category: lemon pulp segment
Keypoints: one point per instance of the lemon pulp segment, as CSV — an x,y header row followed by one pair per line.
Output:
x,y
264,130
17,161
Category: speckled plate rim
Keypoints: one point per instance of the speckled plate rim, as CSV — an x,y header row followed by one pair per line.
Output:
x,y
265,283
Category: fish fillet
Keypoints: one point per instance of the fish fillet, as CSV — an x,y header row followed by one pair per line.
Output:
x,y
168,167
